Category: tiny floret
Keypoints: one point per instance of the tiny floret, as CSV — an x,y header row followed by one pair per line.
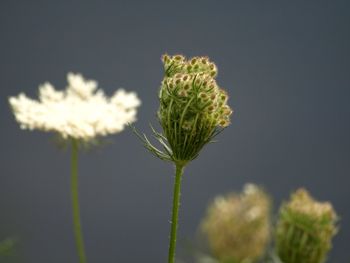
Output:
x,y
81,111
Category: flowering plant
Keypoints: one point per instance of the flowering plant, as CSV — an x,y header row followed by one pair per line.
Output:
x,y
79,115
193,110
237,228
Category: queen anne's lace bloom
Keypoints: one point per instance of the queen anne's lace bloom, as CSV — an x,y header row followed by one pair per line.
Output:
x,y
81,111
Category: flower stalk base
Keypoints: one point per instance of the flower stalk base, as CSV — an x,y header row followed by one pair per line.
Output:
x,y
75,203
175,213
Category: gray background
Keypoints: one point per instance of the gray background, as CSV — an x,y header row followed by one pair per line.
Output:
x,y
284,63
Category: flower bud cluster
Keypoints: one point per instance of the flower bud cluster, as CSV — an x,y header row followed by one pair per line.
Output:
x,y
237,226
191,102
305,229
178,63
194,80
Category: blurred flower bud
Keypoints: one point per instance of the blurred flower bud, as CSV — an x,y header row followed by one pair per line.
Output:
x,y
237,227
305,229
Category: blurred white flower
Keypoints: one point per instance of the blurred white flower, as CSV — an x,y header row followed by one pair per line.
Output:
x,y
81,111
237,226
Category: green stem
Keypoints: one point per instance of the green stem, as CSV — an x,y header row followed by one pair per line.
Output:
x,y
75,202
175,213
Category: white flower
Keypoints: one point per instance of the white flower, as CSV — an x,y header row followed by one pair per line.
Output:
x,y
81,111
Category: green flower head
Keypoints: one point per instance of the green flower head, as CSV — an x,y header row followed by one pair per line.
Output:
x,y
193,108
305,229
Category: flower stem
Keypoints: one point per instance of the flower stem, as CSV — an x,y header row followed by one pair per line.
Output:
x,y
75,202
175,213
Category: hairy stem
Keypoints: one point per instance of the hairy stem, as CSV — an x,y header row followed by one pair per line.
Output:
x,y
75,203
175,213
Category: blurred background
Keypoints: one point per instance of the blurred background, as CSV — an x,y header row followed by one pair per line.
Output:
x,y
284,64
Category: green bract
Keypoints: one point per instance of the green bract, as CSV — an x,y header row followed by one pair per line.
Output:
x,y
193,108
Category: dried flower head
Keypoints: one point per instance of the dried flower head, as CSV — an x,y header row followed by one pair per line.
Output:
x,y
193,108
237,226
305,229
81,111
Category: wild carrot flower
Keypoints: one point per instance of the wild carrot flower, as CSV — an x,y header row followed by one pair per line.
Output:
x,y
79,114
237,226
81,111
193,109
192,106
305,229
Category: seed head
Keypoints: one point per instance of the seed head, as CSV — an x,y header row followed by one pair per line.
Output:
x,y
193,109
190,94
